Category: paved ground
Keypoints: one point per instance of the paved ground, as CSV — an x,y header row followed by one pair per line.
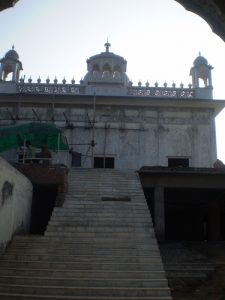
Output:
x,y
212,288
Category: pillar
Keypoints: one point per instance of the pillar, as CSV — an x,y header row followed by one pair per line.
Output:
x,y
195,79
14,73
210,79
159,212
1,77
215,221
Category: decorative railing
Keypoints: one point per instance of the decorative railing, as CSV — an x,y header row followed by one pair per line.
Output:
x,y
161,92
80,89
41,88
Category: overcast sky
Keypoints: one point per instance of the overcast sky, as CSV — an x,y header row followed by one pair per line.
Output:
x,y
158,38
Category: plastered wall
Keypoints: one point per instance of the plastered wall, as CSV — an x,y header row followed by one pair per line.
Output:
x,y
15,203
146,136
135,136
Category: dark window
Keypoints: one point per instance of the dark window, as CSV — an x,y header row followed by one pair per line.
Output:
x,y
76,159
98,162
178,162
109,162
104,162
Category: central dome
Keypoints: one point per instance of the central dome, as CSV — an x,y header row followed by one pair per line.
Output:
x,y
105,68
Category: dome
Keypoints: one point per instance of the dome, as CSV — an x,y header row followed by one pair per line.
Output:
x,y
106,67
12,54
106,56
200,60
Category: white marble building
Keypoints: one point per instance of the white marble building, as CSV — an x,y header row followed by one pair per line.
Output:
x,y
109,122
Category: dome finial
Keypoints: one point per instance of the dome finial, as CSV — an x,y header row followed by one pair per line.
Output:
x,y
107,45
13,47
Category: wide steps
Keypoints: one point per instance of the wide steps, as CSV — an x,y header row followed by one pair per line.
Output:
x,y
99,222
81,258
106,244
78,198
83,250
100,245
79,282
129,232
96,206
6,296
72,215
81,265
84,274
84,291
116,238
98,228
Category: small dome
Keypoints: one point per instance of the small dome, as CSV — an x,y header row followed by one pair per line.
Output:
x,y
12,54
200,60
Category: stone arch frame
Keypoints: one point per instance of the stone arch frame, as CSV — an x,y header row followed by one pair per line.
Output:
x,y
117,72
116,68
96,73
96,67
106,71
106,67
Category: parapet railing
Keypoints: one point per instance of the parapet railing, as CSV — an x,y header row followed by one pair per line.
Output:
x,y
162,92
42,88
80,89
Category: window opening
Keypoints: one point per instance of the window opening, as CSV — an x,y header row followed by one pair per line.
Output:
x,y
104,162
76,159
178,162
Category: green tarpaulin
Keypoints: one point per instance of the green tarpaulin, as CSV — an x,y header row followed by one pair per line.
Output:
x,y
12,137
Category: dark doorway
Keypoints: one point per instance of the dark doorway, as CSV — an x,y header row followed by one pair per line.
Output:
x,y
193,214
103,162
44,197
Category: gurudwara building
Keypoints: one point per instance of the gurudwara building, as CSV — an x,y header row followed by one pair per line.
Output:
x,y
166,133
140,172
109,122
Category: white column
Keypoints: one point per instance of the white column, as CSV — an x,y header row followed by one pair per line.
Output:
x,y
210,78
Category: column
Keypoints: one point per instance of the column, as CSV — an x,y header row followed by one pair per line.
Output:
x,y
1,77
159,212
213,151
210,77
214,221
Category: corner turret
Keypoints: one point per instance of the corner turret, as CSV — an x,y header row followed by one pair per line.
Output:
x,y
10,64
202,70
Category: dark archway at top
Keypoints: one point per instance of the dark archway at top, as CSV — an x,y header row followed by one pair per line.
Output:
x,y
212,11
7,3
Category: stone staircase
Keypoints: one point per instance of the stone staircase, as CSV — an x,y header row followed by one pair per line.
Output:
x,y
99,246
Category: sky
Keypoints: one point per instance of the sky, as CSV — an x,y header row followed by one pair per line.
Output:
x,y
158,38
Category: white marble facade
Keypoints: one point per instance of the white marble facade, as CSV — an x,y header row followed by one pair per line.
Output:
x,y
135,125
145,136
